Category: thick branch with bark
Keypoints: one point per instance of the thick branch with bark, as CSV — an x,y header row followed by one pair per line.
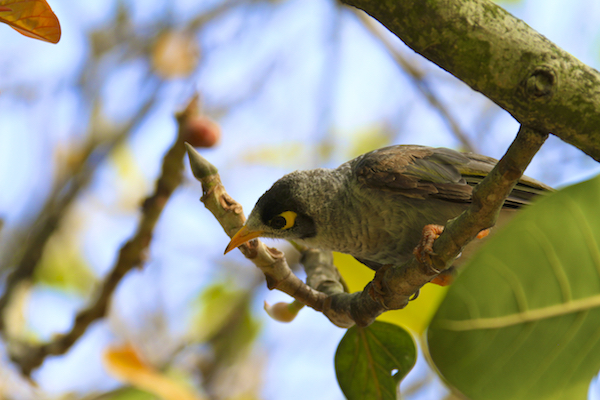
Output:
x,y
541,85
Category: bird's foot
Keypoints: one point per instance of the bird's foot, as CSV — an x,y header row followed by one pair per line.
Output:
x,y
445,278
424,249
483,234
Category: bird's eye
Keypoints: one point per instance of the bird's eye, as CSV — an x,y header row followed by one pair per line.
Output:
x,y
285,220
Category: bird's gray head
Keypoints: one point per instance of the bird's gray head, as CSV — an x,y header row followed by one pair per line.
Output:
x,y
289,209
284,211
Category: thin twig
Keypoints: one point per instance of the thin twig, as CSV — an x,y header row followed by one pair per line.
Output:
x,y
132,254
58,203
420,83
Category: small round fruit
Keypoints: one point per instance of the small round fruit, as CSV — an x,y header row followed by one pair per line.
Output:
x,y
201,131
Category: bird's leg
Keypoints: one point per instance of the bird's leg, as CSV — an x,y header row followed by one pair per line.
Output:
x,y
424,251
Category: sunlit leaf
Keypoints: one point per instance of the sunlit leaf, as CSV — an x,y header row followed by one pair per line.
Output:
x,y
124,363
32,18
365,140
128,393
16,312
418,313
220,305
288,154
63,265
355,273
416,316
523,319
132,184
277,155
370,362
215,305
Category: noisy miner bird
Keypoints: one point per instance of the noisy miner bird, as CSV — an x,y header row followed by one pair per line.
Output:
x,y
375,206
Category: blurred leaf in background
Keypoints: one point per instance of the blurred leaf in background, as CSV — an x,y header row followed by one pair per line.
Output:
x,y
125,363
175,54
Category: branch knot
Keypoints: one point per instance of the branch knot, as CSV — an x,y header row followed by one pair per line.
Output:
x,y
541,83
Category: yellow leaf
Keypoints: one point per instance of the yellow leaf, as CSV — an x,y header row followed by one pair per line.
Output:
x,y
291,153
371,138
32,18
132,184
277,155
63,264
416,316
356,274
124,363
15,314
125,163
215,307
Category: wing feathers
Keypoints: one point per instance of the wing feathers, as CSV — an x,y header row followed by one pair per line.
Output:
x,y
419,172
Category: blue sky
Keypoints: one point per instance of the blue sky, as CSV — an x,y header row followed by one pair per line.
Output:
x,y
279,76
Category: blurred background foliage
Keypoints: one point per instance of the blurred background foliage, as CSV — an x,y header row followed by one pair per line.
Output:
x,y
291,84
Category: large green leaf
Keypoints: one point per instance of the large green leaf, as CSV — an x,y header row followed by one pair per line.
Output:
x,y
523,320
370,362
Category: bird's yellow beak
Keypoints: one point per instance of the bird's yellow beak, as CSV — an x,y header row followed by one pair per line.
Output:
x,y
241,237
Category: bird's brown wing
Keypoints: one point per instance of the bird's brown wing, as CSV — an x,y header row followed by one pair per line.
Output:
x,y
420,172
523,192
414,171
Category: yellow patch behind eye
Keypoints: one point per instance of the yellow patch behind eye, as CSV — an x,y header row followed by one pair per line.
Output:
x,y
290,219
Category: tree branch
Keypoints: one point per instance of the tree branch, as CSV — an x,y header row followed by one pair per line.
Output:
x,y
541,85
30,249
132,254
417,77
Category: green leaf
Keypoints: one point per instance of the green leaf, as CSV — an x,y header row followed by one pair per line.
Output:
x,y
63,266
523,320
370,362
224,319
